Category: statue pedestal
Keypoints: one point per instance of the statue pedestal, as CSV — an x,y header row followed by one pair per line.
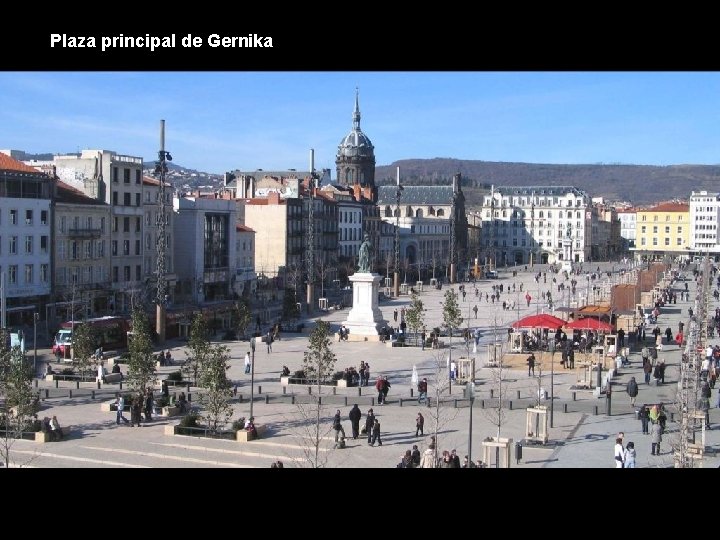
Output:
x,y
365,319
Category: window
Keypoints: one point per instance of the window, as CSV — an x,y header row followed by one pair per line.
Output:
x,y
88,249
643,229
138,175
12,248
137,247
76,223
137,199
13,217
667,241
43,244
114,247
74,251
127,199
44,273
115,274
137,224
102,224
126,247
89,223
28,217
62,224
126,224
679,230
655,242
126,176
148,243
667,217
115,224
101,248
61,250
655,229
655,218
138,272
28,274
679,242
147,196
43,217
28,244
126,273
667,229
115,198
12,274
115,174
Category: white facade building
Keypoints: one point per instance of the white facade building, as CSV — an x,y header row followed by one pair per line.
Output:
x,y
704,219
628,220
25,237
525,225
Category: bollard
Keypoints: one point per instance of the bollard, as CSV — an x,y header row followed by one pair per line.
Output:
x,y
411,392
189,397
92,394
334,390
319,399
77,385
70,394
455,403
482,403
98,385
510,404
47,393
56,383
120,385
596,410
565,407
236,387
346,401
518,394
574,396
672,416
267,399
284,390
372,402
259,389
310,390
401,399
492,393
359,390
292,399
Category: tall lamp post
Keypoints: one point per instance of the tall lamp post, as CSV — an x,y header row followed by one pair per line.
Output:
x,y
252,375
36,316
551,347
470,394
396,272
161,170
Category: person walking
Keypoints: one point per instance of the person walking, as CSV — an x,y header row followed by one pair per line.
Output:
x,y
120,401
632,390
369,423
379,385
647,369
355,416
247,363
630,455
269,340
422,338
619,454
644,416
149,402
655,438
376,433
419,424
531,364
422,391
395,314
385,389
337,426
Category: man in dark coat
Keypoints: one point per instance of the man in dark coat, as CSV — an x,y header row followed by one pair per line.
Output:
x,y
355,416
369,423
632,390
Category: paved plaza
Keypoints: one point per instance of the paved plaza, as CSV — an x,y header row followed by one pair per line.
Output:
x,y
579,438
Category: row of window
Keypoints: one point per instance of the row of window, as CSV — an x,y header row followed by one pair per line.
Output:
x,y
14,217
643,229
29,241
126,175
77,275
537,201
350,217
668,217
78,224
523,243
351,234
679,241
13,274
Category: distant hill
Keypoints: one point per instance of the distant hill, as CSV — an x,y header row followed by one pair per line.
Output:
x,y
639,184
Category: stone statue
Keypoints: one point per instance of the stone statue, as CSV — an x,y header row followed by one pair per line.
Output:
x,y
568,231
365,255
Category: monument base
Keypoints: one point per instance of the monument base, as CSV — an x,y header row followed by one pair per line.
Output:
x,y
365,319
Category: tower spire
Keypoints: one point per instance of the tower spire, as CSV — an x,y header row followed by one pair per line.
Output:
x,y
356,112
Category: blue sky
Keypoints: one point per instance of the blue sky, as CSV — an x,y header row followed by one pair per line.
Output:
x,y
219,121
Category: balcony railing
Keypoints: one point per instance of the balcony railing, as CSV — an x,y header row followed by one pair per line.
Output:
x,y
84,232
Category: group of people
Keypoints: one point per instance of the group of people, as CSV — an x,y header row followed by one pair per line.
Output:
x,y
371,428
52,426
141,402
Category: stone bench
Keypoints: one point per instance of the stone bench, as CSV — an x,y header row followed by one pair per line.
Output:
x,y
44,436
244,436
113,378
394,343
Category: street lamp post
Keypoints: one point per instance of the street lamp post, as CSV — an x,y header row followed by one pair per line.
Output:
x,y
396,272
471,396
252,376
551,346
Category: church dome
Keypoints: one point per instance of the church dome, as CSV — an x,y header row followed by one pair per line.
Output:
x,y
356,143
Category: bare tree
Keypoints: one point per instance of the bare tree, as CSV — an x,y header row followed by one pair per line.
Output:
x,y
414,314
439,415
84,342
242,317
141,365
213,378
495,413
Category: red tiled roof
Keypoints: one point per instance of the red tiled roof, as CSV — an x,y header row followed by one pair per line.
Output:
x,y
9,164
670,207
150,181
243,228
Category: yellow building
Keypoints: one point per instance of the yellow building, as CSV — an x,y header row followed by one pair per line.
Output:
x,y
663,229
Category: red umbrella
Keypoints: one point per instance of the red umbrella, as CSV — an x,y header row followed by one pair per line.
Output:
x,y
590,323
539,321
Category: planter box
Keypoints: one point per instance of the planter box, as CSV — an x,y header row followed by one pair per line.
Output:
x,y
169,411
244,436
43,437
284,381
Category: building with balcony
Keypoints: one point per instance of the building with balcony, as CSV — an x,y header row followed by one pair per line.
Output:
x,y
663,230
704,219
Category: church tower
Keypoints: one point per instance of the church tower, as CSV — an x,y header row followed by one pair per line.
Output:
x,y
355,161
